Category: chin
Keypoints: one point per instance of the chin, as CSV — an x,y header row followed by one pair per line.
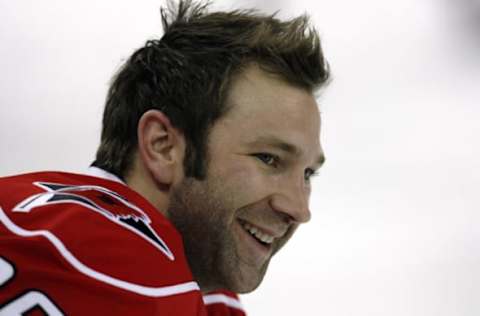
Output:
x,y
245,289
244,282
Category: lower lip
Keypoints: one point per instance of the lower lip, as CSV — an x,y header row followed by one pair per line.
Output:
x,y
261,251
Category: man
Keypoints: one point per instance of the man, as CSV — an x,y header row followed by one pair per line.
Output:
x,y
210,137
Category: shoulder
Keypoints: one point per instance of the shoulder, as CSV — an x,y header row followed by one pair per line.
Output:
x,y
99,228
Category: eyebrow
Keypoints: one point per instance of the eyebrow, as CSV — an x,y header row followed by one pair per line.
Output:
x,y
284,146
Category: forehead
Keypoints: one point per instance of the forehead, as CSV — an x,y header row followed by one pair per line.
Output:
x,y
262,106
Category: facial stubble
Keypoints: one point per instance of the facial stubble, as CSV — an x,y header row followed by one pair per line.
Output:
x,y
203,214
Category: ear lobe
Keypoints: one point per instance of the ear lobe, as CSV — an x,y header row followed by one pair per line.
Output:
x,y
160,147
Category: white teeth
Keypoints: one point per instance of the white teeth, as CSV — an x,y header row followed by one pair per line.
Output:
x,y
258,234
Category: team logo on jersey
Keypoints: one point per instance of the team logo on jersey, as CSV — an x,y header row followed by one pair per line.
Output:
x,y
101,200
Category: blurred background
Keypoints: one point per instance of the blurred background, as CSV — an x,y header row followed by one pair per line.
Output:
x,y
395,228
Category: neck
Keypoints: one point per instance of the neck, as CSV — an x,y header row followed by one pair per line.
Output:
x,y
141,181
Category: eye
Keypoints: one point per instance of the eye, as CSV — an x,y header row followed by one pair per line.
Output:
x,y
268,159
309,173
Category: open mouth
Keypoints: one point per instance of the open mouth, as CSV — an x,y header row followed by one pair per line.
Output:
x,y
263,238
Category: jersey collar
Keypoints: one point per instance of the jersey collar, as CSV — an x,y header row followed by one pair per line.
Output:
x,y
100,173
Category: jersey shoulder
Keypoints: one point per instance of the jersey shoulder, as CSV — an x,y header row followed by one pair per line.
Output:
x,y
97,227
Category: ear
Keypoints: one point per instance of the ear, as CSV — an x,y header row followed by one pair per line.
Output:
x,y
161,147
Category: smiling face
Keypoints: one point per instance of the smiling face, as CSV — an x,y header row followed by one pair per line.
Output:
x,y
261,154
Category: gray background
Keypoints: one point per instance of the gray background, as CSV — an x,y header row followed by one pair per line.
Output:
x,y
395,209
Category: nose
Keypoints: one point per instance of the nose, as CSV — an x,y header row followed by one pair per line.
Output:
x,y
292,199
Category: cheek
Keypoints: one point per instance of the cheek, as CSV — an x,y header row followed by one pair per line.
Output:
x,y
245,184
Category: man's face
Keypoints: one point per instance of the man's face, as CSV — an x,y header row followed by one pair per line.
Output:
x,y
260,158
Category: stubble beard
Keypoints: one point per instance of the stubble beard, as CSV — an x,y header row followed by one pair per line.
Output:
x,y
201,213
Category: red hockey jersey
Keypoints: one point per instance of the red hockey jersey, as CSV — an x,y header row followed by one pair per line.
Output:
x,y
81,245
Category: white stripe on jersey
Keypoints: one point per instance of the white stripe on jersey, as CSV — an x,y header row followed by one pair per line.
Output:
x,y
222,299
136,288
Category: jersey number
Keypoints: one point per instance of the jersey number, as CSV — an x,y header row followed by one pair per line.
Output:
x,y
26,301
